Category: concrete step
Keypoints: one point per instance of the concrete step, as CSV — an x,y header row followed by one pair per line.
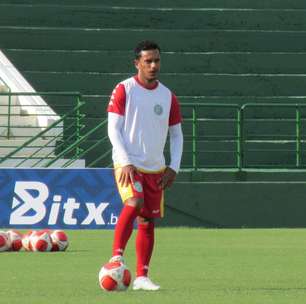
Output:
x,y
28,126
5,101
8,146
144,18
20,121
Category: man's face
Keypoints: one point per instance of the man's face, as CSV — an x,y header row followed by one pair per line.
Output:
x,y
148,65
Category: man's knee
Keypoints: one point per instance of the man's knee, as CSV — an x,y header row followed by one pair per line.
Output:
x,y
144,220
135,202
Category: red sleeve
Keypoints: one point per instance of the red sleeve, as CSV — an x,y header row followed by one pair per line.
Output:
x,y
175,112
117,100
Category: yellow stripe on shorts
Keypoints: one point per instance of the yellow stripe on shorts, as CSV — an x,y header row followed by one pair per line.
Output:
x,y
162,208
125,192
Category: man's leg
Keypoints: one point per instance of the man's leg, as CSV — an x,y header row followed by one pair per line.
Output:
x,y
144,249
144,245
124,227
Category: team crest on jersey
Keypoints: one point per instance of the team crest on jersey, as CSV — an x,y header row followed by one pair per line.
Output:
x,y
137,186
158,109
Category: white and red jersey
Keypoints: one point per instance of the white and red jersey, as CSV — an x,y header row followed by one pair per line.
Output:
x,y
147,115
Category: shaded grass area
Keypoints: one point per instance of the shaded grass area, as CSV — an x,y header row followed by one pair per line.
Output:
x,y
191,265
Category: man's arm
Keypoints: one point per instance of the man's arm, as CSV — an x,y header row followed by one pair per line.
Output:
x,y
176,146
176,151
115,125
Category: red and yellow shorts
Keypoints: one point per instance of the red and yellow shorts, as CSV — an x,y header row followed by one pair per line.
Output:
x,y
146,188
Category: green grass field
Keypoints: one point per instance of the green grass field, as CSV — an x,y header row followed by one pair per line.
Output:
x,y
192,266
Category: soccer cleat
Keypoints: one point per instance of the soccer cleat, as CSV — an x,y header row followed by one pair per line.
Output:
x,y
117,258
144,283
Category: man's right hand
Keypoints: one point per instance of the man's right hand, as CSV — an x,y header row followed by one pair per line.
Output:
x,y
127,175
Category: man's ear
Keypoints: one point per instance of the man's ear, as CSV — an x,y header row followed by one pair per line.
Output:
x,y
136,63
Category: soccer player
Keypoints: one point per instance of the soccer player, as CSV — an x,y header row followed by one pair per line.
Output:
x,y
141,113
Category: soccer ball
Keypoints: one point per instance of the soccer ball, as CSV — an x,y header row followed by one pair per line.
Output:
x,y
114,276
26,240
15,238
40,241
59,240
4,241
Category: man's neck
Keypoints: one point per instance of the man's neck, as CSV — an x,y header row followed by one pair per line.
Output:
x,y
150,85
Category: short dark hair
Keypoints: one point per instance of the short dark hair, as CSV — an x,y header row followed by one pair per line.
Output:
x,y
145,46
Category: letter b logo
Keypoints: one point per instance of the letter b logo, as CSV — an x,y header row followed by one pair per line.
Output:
x,y
29,203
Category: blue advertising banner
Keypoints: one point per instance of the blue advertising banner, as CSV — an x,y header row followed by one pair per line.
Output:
x,y
58,199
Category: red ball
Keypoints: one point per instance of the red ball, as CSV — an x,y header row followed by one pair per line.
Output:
x,y
108,283
15,239
59,240
40,241
114,276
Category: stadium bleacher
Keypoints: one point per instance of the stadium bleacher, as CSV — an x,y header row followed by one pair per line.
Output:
x,y
214,51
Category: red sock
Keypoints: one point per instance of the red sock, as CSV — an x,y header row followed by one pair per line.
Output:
x,y
144,247
124,229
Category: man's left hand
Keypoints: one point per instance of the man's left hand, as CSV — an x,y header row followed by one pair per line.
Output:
x,y
167,179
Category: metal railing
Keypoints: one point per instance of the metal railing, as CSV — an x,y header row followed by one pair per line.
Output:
x,y
195,118
66,140
216,136
8,107
35,136
253,136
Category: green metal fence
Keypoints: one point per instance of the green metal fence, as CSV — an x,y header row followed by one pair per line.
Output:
x,y
63,141
205,133
254,135
216,136
9,105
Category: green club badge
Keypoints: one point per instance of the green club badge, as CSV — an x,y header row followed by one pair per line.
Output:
x,y
137,186
158,109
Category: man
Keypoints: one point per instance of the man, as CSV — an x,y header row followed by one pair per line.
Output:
x,y
141,112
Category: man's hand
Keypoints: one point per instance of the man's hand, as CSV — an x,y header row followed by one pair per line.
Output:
x,y
167,179
127,175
